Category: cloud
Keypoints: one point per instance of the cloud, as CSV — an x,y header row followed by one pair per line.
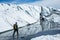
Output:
x,y
49,3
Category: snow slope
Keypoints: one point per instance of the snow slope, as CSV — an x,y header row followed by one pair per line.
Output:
x,y
9,14
27,14
47,37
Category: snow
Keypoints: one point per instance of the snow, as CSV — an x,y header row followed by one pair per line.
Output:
x,y
9,14
47,37
26,14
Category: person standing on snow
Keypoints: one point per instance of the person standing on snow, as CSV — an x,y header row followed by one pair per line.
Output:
x,y
15,28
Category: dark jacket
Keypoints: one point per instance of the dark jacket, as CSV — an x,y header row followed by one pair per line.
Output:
x,y
15,27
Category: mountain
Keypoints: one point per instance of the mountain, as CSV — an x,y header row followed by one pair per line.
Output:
x,y
23,14
28,14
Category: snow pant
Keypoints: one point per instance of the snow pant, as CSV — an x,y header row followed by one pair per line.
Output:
x,y
15,32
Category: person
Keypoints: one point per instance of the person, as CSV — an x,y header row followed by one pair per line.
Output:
x,y
41,21
15,28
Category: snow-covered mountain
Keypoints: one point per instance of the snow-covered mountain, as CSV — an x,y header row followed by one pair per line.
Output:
x,y
27,14
23,14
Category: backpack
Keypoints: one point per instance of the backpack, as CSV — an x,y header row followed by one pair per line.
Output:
x,y
15,26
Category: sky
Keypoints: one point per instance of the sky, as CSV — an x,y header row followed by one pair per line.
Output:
x,y
49,3
18,1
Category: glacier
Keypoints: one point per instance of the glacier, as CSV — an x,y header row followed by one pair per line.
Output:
x,y
28,17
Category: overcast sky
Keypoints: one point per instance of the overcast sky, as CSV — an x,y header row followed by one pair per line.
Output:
x,y
49,3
